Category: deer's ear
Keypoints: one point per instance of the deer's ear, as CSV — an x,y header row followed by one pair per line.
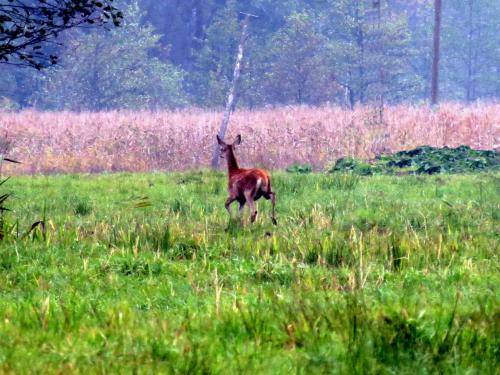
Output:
x,y
220,141
237,140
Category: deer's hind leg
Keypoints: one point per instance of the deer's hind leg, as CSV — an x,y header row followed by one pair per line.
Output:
x,y
272,196
242,202
251,203
273,203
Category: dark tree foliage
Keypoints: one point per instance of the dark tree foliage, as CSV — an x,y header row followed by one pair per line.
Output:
x,y
349,52
25,25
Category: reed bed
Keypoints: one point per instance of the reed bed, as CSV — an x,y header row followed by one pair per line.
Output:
x,y
274,138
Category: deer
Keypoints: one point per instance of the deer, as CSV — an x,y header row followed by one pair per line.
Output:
x,y
245,185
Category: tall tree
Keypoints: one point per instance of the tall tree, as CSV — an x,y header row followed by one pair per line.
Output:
x,y
211,73
112,71
231,98
214,62
370,50
185,29
298,70
420,16
471,57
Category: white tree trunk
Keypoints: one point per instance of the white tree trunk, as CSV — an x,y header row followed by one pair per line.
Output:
x,y
232,91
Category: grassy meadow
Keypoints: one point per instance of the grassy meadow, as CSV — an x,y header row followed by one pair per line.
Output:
x,y
144,273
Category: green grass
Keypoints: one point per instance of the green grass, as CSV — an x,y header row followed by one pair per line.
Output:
x,y
144,273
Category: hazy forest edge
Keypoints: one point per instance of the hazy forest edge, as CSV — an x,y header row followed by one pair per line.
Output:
x,y
173,54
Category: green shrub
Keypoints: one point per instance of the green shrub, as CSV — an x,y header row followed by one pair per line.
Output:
x,y
424,160
352,165
299,168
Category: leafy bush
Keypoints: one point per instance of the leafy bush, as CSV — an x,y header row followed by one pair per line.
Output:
x,y
425,160
354,166
299,168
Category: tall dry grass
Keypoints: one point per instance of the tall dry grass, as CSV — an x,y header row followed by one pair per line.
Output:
x,y
49,142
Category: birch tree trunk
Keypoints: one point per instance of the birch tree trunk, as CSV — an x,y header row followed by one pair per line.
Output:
x,y
230,103
435,53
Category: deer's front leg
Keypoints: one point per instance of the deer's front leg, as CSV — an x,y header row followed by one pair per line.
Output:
x,y
242,206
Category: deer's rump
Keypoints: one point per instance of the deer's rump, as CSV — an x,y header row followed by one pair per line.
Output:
x,y
254,180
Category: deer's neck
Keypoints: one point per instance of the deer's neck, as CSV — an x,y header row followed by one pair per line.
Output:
x,y
232,164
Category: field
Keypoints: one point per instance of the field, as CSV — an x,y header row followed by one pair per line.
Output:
x,y
144,273
66,142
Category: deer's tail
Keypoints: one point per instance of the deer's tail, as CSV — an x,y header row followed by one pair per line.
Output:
x,y
268,190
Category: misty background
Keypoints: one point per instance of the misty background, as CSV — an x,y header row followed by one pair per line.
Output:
x,y
171,54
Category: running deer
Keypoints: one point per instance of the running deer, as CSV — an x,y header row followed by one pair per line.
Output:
x,y
245,185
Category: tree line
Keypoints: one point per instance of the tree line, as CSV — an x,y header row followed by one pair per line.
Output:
x,y
173,53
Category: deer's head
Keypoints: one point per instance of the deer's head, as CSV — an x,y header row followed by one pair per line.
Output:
x,y
227,147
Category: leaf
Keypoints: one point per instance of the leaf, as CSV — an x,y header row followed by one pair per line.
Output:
x,y
39,223
142,202
447,203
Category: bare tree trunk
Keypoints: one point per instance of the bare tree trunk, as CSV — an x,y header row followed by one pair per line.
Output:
x,y
470,56
230,103
360,41
381,73
435,53
350,91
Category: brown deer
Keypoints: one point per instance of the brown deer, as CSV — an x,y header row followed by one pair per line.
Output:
x,y
245,185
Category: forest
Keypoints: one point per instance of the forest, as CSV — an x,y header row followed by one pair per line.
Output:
x,y
171,54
